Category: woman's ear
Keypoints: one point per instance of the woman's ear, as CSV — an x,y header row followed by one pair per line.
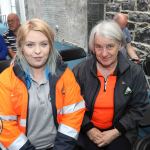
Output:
x,y
120,46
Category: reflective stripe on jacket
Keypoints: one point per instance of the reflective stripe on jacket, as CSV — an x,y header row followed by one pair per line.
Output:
x,y
68,107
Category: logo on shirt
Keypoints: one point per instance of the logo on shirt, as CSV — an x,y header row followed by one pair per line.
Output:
x,y
128,91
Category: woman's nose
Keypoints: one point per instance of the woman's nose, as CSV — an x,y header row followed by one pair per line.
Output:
x,y
104,52
37,49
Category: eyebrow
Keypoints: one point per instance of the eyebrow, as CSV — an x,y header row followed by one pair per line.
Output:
x,y
35,42
105,44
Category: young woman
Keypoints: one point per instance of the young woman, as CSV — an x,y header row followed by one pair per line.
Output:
x,y
40,102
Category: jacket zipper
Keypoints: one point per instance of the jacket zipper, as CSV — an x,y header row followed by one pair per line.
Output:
x,y
105,84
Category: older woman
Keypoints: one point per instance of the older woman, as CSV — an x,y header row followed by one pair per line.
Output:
x,y
114,90
40,102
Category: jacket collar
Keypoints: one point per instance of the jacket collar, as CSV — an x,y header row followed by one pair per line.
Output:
x,y
123,64
61,66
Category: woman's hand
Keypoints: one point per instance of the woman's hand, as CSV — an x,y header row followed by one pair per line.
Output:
x,y
108,137
95,135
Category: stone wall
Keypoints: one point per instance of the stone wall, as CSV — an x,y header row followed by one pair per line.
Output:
x,y
139,21
68,17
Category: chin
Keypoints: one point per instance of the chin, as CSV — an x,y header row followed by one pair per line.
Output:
x,y
106,64
12,29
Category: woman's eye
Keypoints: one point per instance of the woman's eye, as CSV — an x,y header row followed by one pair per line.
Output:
x,y
44,44
98,47
29,45
110,46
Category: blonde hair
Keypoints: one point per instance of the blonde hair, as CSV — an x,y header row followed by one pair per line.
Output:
x,y
36,25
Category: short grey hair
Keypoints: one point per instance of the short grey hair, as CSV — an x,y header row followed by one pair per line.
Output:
x,y
109,29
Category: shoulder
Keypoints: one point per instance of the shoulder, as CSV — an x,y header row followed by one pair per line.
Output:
x,y
85,70
126,66
15,68
126,31
127,35
136,70
6,33
68,74
84,65
9,79
7,74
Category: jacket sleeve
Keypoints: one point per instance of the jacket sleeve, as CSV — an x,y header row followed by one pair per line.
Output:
x,y
27,146
12,122
78,72
64,142
137,104
11,137
70,111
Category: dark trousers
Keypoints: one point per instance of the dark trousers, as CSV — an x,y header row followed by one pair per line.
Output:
x,y
50,148
121,143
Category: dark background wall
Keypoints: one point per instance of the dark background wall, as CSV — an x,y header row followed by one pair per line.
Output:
x,y
95,12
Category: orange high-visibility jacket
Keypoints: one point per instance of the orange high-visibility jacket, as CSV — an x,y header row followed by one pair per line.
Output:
x,y
68,107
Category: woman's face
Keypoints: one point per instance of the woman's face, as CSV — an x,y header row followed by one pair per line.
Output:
x,y
36,49
106,51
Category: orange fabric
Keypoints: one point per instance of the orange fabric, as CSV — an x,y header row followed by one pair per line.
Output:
x,y
71,95
104,105
14,101
9,133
